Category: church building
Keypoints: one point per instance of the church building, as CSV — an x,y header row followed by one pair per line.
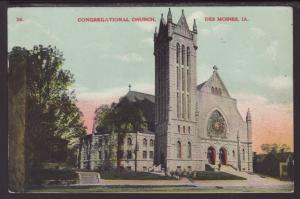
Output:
x,y
194,127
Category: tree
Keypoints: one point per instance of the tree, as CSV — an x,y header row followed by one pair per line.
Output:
x,y
51,107
267,148
120,119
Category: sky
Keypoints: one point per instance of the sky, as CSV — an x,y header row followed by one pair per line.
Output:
x,y
254,57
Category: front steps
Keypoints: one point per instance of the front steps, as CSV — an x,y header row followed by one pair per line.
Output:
x,y
89,178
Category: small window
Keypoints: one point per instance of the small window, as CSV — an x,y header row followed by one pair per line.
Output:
x,y
178,128
189,168
151,142
212,90
129,155
189,150
243,154
151,154
144,154
145,142
145,169
178,168
189,129
182,55
233,153
129,168
129,141
183,129
100,155
188,56
177,52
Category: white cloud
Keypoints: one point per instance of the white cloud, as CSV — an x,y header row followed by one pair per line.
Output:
x,y
147,26
220,28
148,40
272,50
198,15
130,57
257,32
280,82
112,94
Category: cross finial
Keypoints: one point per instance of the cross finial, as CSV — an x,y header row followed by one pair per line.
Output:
x,y
129,86
215,68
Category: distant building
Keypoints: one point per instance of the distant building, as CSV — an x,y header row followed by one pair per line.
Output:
x,y
274,164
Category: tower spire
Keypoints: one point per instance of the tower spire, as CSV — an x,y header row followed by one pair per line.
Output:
x,y
195,26
182,12
169,17
162,20
248,116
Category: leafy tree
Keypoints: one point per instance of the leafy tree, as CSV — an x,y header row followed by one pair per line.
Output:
x,y
276,148
120,119
51,106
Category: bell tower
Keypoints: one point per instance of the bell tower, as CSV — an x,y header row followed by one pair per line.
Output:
x,y
175,47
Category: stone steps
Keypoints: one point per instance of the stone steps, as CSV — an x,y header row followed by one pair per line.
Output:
x,y
90,178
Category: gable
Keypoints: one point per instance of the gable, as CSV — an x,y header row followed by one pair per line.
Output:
x,y
214,85
182,27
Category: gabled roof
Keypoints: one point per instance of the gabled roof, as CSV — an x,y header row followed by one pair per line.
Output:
x,y
182,22
134,96
214,81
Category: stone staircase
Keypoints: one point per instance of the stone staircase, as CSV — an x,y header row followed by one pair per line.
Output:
x,y
234,171
89,178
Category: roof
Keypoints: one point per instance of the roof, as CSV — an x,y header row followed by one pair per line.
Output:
x,y
200,85
134,96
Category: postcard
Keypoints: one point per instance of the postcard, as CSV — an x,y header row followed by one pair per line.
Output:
x,y
190,99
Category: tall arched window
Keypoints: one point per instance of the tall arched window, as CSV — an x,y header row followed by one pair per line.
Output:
x,y
243,154
145,142
177,52
189,150
151,142
188,56
178,149
182,54
129,141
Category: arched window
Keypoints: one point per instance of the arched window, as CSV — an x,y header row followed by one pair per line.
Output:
x,y
233,153
182,54
151,143
188,56
243,154
145,142
177,52
129,141
213,90
178,149
189,150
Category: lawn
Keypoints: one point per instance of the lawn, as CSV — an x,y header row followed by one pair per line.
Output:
x,y
130,175
212,175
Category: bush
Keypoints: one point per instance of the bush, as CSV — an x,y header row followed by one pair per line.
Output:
x,y
53,176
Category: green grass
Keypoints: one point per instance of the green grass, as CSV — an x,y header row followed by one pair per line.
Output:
x,y
212,175
130,175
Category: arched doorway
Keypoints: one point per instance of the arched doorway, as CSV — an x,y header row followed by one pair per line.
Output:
x,y
223,156
211,155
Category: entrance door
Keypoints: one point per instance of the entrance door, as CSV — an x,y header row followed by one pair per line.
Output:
x,y
223,156
211,155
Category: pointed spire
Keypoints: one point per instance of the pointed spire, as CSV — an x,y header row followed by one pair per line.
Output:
x,y
248,116
195,26
162,20
215,68
129,86
155,32
182,12
169,17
